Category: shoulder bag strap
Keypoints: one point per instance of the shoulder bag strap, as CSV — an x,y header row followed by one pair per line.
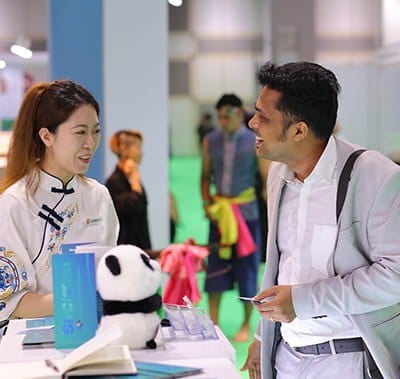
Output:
x,y
344,180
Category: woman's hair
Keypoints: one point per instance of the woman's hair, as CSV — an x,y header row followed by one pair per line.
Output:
x,y
45,105
116,139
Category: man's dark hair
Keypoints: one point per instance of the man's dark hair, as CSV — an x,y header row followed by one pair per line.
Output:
x,y
229,99
309,93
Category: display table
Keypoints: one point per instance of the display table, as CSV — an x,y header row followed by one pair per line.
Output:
x,y
216,357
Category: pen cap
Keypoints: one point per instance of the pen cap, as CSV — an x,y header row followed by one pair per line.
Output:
x,y
70,248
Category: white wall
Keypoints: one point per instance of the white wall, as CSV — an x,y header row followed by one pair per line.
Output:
x,y
390,21
389,109
343,17
358,106
388,61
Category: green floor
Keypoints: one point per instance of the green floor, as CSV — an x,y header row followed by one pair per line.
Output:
x,y
185,185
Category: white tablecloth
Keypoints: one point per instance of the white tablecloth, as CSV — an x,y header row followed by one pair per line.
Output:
x,y
216,357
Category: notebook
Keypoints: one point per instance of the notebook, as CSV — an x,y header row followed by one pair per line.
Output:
x,y
163,370
151,370
38,337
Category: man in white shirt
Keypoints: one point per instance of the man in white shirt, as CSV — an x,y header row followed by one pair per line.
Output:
x,y
331,278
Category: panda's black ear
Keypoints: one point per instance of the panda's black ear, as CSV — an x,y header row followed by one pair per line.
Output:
x,y
113,265
146,261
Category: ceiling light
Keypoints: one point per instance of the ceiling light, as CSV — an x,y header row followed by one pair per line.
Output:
x,y
3,64
22,48
176,3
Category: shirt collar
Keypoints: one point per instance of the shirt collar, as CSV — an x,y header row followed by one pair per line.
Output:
x,y
324,169
49,181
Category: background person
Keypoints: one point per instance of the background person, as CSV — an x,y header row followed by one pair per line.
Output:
x,y
334,284
206,126
173,217
127,191
45,198
230,163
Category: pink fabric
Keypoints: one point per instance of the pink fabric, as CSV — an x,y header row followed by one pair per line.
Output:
x,y
182,261
245,244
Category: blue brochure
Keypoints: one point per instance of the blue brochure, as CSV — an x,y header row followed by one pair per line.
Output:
x,y
39,322
164,370
74,291
70,248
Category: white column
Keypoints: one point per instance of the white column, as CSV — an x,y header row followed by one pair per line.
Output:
x,y
136,95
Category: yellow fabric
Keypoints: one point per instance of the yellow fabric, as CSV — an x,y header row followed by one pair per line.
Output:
x,y
221,210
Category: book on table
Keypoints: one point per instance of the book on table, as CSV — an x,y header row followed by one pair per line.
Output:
x,y
151,370
95,357
38,337
164,370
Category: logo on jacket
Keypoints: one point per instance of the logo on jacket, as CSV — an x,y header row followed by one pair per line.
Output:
x,y
93,221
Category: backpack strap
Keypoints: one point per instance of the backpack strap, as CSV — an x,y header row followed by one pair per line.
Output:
x,y
344,179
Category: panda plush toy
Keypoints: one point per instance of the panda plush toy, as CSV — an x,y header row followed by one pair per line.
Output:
x,y
128,280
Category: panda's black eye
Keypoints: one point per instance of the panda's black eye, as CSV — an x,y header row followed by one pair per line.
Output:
x,y
146,261
113,265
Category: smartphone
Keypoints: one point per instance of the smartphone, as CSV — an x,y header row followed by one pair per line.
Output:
x,y
254,300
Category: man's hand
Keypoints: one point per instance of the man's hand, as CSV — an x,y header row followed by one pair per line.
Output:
x,y
253,363
280,307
